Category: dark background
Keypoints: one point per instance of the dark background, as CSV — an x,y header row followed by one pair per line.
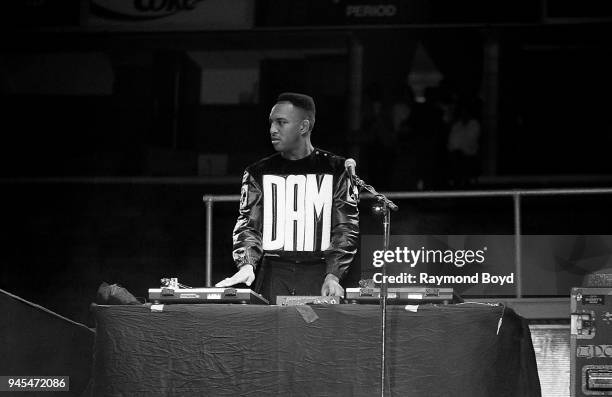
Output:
x,y
102,129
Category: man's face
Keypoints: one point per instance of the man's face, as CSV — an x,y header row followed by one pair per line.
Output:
x,y
287,126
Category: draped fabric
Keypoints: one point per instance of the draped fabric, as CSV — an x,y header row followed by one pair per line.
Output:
x,y
335,350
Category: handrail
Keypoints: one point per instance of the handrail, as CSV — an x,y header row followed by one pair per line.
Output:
x,y
516,195
127,180
493,193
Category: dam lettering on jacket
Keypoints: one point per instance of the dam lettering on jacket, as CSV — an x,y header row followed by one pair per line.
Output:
x,y
297,212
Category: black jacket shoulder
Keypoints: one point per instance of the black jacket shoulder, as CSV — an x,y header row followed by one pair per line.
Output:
x,y
319,160
262,164
333,158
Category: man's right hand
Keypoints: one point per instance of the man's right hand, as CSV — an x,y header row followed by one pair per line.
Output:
x,y
244,275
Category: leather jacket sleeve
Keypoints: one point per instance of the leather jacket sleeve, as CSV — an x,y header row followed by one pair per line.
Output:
x,y
345,228
247,246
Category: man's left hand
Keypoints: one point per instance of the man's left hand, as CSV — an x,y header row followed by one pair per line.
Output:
x,y
331,286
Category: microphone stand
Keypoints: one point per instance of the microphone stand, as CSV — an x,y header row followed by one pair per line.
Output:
x,y
382,207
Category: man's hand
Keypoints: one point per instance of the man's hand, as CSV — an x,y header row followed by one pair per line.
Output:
x,y
331,286
244,275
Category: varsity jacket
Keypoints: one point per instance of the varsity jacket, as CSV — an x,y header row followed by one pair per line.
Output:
x,y
298,210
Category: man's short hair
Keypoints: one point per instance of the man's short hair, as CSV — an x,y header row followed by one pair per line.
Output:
x,y
302,101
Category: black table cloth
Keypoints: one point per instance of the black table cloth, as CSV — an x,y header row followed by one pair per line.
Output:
x,y
335,350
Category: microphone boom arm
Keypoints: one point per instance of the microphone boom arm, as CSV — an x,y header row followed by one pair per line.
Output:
x,y
380,197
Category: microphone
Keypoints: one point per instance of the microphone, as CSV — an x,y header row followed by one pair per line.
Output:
x,y
350,165
353,192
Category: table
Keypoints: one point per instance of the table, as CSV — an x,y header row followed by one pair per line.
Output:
x,y
334,350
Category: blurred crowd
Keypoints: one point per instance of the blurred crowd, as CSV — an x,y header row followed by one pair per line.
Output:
x,y
418,143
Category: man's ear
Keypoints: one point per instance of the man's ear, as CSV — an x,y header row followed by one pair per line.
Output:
x,y
305,126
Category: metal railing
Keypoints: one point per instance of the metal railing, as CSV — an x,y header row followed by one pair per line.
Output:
x,y
516,195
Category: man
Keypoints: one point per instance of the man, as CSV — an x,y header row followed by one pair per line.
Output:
x,y
298,211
